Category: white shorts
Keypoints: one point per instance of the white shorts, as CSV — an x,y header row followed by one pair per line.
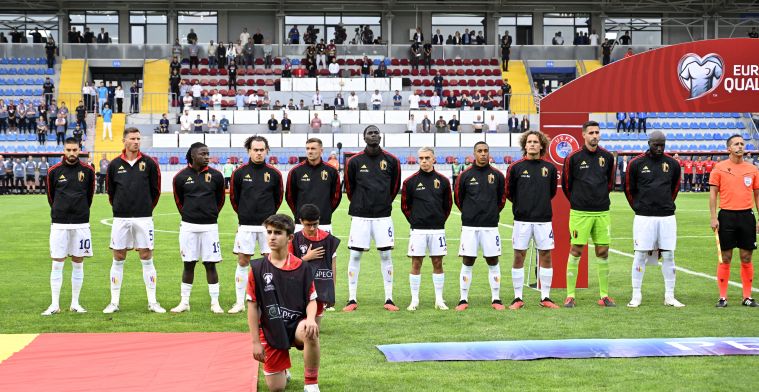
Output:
x,y
70,240
364,229
246,239
654,232
422,241
486,238
327,228
199,242
542,232
132,233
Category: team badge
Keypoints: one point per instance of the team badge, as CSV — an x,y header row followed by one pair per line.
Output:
x,y
81,176
436,183
383,165
324,175
561,146
267,177
303,249
544,172
665,167
491,178
268,277
601,161
208,177
142,166
747,181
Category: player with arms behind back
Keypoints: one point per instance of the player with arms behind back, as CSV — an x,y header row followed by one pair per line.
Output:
x,y
314,182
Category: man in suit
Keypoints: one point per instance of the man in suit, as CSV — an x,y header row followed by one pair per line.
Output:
x,y
418,36
437,38
505,51
513,124
506,94
339,102
524,126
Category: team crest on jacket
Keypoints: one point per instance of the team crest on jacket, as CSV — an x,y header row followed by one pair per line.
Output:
x,y
601,161
544,172
561,146
383,165
436,183
81,176
142,166
208,177
267,177
324,175
665,167
491,178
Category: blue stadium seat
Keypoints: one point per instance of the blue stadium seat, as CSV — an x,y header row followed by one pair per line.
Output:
x,y
666,125
496,159
750,147
376,62
295,62
14,61
50,71
740,125
688,136
736,115
12,71
402,159
690,115
679,115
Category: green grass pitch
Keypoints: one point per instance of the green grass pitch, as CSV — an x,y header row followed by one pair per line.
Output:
x,y
350,361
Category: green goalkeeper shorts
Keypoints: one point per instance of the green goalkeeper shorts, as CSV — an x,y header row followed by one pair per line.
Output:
x,y
584,225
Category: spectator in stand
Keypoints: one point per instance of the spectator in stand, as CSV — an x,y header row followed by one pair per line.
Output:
x,y
413,100
187,101
376,100
321,54
111,86
381,70
466,39
252,100
50,50
331,51
232,71
60,129
451,102
366,67
31,119
426,124
339,102
239,100
332,161
102,97
224,123
81,116
244,36
3,119
194,50
335,124
476,100
437,83
316,123
107,125
488,102
134,96
506,42
312,69
480,38
453,124
77,133
418,36
427,54
629,53
293,36
205,101
299,72
753,33
642,116
221,56
197,91
213,124
415,55
353,101
103,165
506,94
41,130
334,69
272,124
211,53
248,53
265,101
437,38
103,37
267,49
441,126
621,121
593,38
216,99
631,124
197,125
411,125
258,38
163,124
524,125
176,49
231,53
52,115
557,39
227,170
435,101
47,89
457,40
606,47
625,39
185,124
397,100
286,123
119,95
192,37
466,103
175,65
492,124
478,125
578,39
317,100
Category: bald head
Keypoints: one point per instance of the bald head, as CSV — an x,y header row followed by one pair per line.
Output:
x,y
657,135
656,142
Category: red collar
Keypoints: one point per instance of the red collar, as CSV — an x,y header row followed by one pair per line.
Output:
x,y
123,155
320,235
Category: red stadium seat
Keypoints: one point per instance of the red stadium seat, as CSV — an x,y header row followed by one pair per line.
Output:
x,y
193,81
416,82
395,62
411,160
460,72
340,62
260,92
433,72
443,72
269,71
446,83
487,72
194,71
223,82
476,62
449,159
258,71
471,83
204,71
204,82
490,83
467,62
427,83
292,160
259,61
278,71
469,72
184,71
350,62
213,72
414,72
480,82
453,82
428,93
277,61
458,62
270,82
396,72
405,72
446,93
173,160
440,62
273,160
213,82
250,82
424,72
478,72
449,62
494,62
404,62
223,72
260,82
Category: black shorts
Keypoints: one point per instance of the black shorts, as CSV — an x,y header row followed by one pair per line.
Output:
x,y
699,178
30,177
688,177
737,229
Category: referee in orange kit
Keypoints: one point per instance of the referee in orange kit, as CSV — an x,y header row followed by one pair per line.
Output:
x,y
736,182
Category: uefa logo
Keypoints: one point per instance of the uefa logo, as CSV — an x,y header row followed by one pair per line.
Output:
x,y
700,75
561,146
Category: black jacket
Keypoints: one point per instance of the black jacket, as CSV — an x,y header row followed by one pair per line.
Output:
x,y
480,195
318,185
587,178
371,183
199,194
70,189
426,200
133,191
530,186
255,192
651,184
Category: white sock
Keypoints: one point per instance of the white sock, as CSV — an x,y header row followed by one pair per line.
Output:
x,y
438,281
517,279
213,291
638,269
354,266
386,261
546,277
56,281
150,278
494,277
77,278
415,281
465,280
668,270
117,274
241,282
185,292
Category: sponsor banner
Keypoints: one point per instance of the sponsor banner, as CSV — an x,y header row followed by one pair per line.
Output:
x,y
522,350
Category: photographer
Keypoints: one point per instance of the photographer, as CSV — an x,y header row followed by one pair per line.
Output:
x,y
367,36
340,34
311,33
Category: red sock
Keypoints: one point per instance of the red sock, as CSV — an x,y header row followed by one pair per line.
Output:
x,y
312,375
747,277
723,276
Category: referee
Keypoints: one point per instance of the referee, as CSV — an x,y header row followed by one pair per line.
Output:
x,y
736,183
